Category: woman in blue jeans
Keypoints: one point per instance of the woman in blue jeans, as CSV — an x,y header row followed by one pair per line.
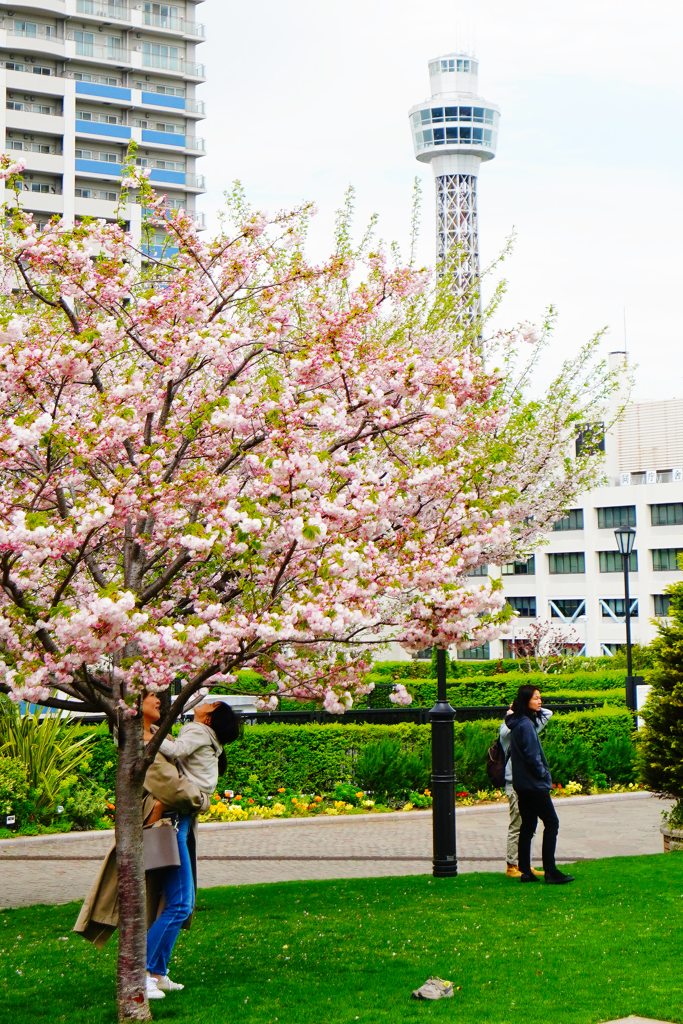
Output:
x,y
178,884
533,784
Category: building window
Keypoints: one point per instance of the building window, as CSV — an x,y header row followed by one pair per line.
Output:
x,y
572,521
613,561
617,606
590,438
611,649
666,559
566,608
524,606
479,570
567,562
475,653
526,568
616,517
667,515
662,602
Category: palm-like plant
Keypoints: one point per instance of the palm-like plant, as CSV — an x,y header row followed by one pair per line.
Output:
x,y
51,748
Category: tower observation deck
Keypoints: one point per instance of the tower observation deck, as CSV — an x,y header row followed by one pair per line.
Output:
x,y
455,130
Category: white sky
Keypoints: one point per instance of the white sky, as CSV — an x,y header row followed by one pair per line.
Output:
x,y
305,98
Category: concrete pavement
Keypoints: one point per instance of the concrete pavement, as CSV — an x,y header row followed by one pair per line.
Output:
x,y
58,869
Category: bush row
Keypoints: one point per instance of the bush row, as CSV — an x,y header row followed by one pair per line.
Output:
x,y
401,671
463,669
314,758
498,691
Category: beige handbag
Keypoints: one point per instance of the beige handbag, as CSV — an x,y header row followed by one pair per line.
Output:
x,y
161,845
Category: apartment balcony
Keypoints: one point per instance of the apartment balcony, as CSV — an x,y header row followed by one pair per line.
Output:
x,y
41,202
41,163
181,66
34,124
174,26
99,9
27,30
108,55
48,46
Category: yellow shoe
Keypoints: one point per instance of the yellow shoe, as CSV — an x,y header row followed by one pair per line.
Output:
x,y
537,871
513,871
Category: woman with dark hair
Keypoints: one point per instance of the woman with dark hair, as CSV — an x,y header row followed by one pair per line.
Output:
x,y
198,747
533,784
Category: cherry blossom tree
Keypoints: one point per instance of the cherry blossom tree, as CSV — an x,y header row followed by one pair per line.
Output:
x,y
544,644
230,458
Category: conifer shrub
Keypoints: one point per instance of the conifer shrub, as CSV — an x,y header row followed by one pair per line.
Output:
x,y
661,743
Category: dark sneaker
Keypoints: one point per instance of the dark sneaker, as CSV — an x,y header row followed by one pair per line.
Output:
x,y
529,878
557,878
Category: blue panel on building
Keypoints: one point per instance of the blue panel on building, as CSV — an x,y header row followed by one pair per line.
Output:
x,y
159,250
91,89
100,167
115,131
165,138
154,99
176,177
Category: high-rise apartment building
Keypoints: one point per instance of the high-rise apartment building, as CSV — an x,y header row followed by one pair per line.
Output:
x,y
455,131
81,79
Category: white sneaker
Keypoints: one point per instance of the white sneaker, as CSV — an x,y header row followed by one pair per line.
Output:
x,y
152,991
166,985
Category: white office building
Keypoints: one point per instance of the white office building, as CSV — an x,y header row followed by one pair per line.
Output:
x,y
81,79
577,578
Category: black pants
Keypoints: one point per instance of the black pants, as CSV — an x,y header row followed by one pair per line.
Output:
x,y
535,804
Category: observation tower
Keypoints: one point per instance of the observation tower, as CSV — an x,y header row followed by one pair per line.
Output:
x,y
455,130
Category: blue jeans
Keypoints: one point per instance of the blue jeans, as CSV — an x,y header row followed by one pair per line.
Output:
x,y
178,888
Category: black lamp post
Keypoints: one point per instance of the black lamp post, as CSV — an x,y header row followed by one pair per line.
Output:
x,y
626,538
442,717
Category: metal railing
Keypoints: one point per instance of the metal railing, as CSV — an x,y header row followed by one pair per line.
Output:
x,y
113,53
27,30
189,28
199,144
101,9
416,715
186,67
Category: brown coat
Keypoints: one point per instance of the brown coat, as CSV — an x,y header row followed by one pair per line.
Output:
x,y
99,916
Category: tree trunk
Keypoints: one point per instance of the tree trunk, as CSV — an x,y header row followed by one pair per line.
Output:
x,y
132,961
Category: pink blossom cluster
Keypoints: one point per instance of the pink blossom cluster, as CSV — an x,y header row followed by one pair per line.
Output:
x,y
240,460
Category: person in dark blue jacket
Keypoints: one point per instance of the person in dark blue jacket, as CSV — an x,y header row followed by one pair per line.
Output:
x,y
533,784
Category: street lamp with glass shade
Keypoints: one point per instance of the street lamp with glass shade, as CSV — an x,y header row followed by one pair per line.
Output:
x,y
626,539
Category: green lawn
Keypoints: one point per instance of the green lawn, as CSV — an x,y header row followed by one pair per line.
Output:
x,y
338,951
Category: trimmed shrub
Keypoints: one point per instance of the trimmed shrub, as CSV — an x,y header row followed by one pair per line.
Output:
x,y
387,770
461,669
314,758
503,689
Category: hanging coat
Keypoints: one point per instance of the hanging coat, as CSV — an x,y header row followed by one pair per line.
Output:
x,y
99,916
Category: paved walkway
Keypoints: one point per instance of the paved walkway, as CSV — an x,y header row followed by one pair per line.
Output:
x,y
57,869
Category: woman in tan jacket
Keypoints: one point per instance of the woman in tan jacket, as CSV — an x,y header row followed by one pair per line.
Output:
x,y
170,892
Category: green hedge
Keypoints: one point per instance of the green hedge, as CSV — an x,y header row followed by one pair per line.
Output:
x,y
313,758
464,669
503,688
499,691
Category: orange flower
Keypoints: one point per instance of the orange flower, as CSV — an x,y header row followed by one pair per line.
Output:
x,y
238,797
318,799
281,789
250,800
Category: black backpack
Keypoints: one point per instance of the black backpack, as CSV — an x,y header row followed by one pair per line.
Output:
x,y
495,764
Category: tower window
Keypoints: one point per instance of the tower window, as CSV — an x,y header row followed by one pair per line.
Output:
x,y
466,113
437,113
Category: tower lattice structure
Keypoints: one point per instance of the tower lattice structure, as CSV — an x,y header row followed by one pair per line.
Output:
x,y
455,131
